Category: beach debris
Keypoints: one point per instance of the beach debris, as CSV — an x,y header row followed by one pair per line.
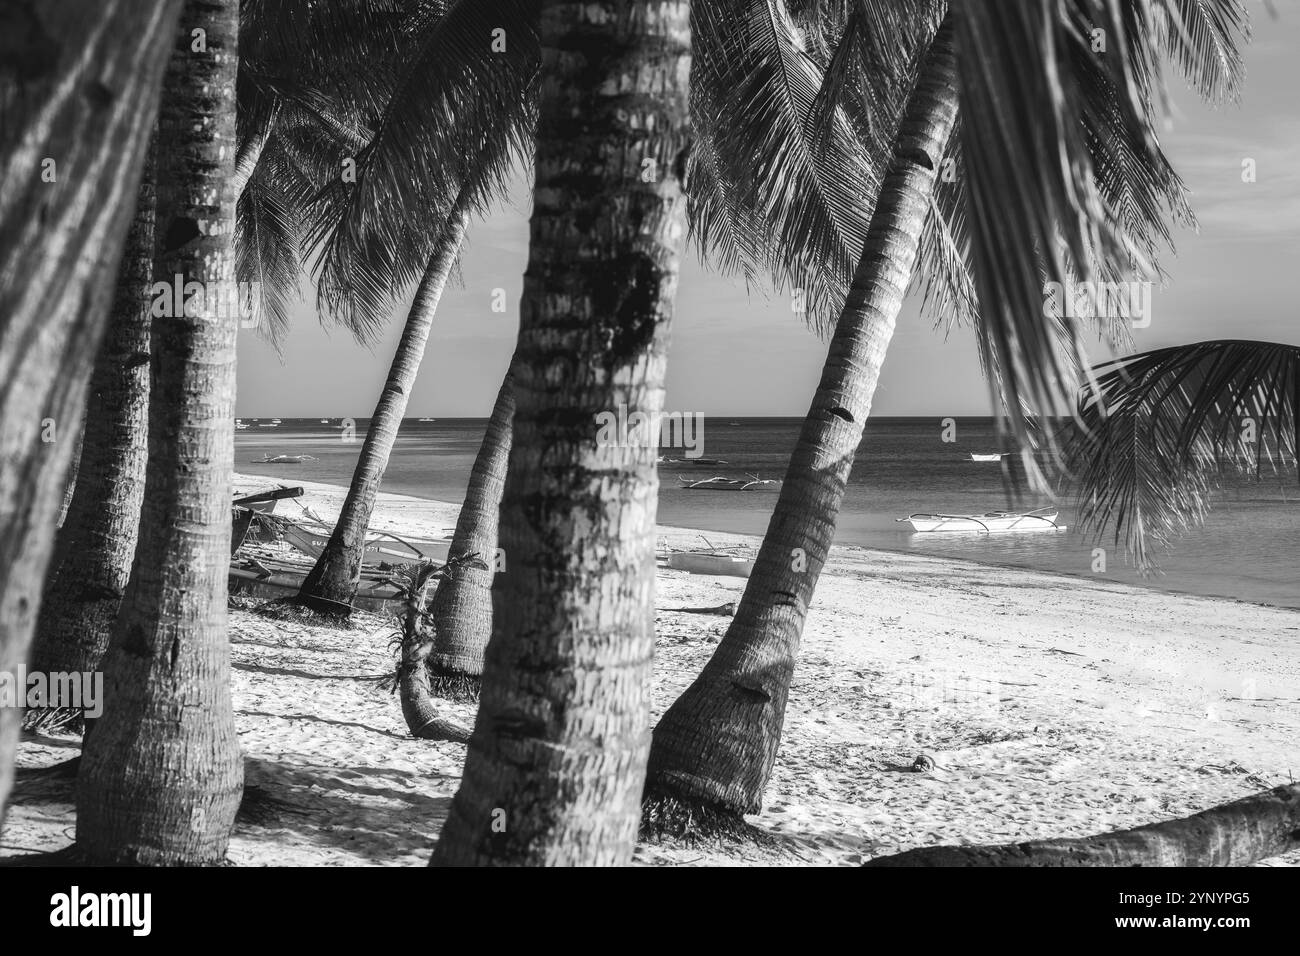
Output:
x,y
923,763
722,610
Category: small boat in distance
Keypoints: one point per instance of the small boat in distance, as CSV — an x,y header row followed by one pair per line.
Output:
x,y
661,460
324,421
991,522
721,483
283,459
428,419
998,457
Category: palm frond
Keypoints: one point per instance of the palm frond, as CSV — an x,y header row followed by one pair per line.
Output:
x,y
779,195
456,105
1204,38
266,251
1159,429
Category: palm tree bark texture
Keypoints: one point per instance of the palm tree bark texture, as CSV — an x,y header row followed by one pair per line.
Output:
x,y
715,747
161,775
332,582
462,604
557,760
79,82
96,545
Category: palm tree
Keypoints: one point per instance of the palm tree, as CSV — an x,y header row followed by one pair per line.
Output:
x,y
333,580
161,776
462,604
300,104
822,176
555,765
96,544
1158,429
82,93
714,748
452,126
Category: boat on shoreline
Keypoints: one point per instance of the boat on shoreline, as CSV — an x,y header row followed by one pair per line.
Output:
x,y
991,522
722,483
711,562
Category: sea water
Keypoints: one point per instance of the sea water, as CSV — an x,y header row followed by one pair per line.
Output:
x,y
1247,549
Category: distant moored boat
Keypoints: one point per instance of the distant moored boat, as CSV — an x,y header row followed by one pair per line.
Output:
x,y
991,522
720,483
975,457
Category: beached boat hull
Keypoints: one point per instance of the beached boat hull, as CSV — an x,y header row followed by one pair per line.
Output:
x,y
380,549
698,562
995,522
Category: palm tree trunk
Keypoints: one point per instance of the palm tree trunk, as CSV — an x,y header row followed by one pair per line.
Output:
x,y
1234,834
70,485
557,759
332,582
715,746
462,604
161,776
80,86
92,561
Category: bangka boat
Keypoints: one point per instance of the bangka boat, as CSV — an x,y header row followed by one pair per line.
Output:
x,y
690,461
382,547
283,459
711,562
428,419
324,421
264,501
722,483
975,457
991,522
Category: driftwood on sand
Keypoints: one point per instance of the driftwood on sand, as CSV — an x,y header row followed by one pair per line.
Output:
x,y
1233,834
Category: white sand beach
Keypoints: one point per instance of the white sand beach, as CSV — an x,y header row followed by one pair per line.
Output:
x,y
1051,706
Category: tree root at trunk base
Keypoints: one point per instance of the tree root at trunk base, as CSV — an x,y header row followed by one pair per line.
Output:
x,y
666,818
1233,834
453,685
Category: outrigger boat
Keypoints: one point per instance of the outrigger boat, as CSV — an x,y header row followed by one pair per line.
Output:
x,y
720,483
975,457
283,459
991,522
661,460
382,547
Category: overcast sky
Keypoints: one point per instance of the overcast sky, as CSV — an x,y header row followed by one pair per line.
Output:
x,y
733,354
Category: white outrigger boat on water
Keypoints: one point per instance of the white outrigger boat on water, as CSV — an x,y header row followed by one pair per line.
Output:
x,y
991,522
720,483
997,457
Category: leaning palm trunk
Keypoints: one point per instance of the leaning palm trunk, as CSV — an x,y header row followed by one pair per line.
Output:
x,y
557,760
462,605
161,776
1234,834
715,746
92,561
84,95
332,583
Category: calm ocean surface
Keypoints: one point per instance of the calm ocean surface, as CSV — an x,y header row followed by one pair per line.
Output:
x,y
1248,549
